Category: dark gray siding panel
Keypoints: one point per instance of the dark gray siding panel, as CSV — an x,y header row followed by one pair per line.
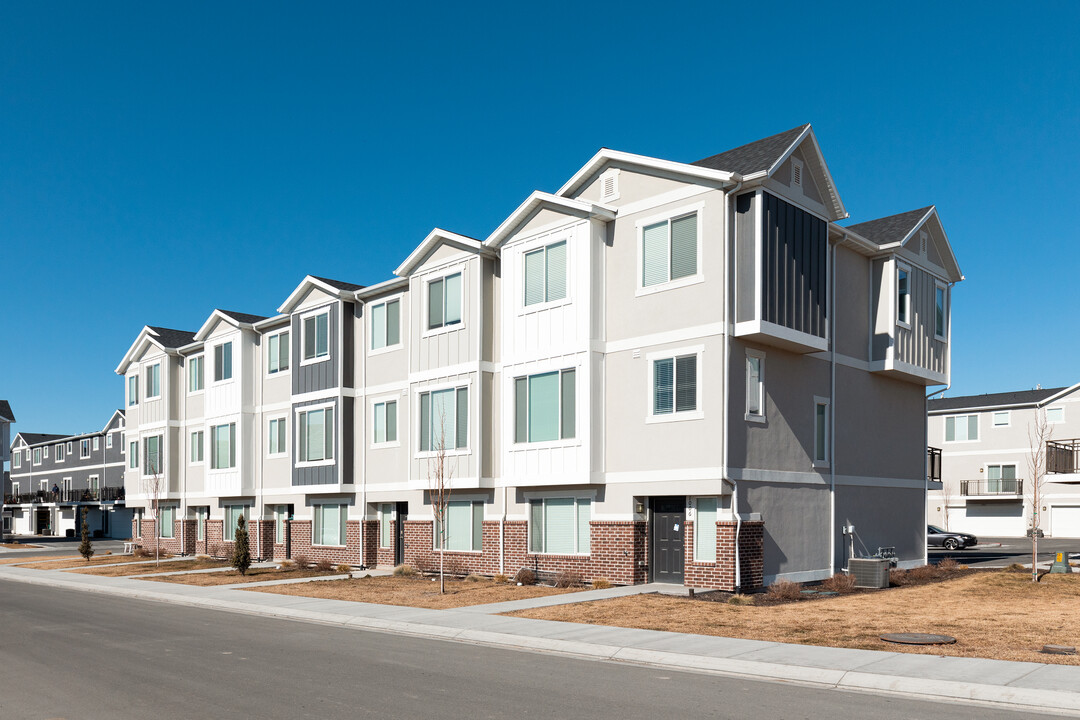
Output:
x,y
320,375
348,314
346,435
322,474
794,256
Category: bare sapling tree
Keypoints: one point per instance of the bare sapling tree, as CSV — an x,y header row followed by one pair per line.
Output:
x,y
1039,433
439,475
153,486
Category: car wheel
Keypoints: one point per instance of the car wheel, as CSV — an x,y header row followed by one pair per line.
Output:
x,y
951,543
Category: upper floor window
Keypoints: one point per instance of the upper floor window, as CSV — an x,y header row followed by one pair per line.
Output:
x,y
545,274
444,301
675,383
16,460
316,434
669,250
386,324
196,447
37,456
196,373
108,441
59,453
755,385
84,448
821,431
45,452
223,446
545,406
277,350
133,390
223,362
97,443
152,455
1001,418
444,419
316,333
903,295
939,311
277,436
385,422
1055,415
961,428
133,455
153,381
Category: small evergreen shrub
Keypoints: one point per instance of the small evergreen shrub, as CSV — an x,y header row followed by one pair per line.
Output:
x,y
86,548
241,554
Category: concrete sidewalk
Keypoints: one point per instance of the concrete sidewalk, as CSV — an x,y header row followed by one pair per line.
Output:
x,y
1014,685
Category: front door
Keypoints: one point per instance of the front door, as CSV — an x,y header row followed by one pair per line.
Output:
x,y
399,533
666,539
42,526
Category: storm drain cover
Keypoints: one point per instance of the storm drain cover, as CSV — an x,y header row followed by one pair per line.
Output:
x,y
918,639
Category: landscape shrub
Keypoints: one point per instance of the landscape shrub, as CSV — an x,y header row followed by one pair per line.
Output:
x,y
343,568
405,570
454,566
525,576
324,565
568,579
500,578
839,583
288,565
601,583
741,600
301,560
785,590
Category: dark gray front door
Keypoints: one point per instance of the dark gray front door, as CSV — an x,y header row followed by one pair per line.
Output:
x,y
666,539
399,533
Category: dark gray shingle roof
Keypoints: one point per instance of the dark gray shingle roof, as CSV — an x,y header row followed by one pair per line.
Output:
x,y
242,317
1017,397
5,411
338,284
753,157
893,228
172,338
35,438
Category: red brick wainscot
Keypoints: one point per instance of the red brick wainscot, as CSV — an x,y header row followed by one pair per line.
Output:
x,y
300,539
150,541
721,574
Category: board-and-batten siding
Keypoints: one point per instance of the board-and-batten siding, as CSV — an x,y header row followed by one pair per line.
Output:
x,y
917,345
794,263
317,375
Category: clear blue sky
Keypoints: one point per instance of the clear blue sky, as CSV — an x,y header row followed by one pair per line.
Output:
x,y
161,160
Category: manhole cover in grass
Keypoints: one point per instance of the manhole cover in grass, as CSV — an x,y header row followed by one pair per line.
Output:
x,y
918,639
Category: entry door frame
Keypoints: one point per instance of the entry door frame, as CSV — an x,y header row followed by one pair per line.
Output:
x,y
401,512
665,506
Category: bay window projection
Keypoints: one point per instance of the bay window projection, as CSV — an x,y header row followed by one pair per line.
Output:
x,y
444,301
560,526
444,419
463,529
545,274
316,433
545,406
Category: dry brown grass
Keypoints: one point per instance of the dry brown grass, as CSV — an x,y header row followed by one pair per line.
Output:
x,y
415,591
997,615
73,562
129,569
232,576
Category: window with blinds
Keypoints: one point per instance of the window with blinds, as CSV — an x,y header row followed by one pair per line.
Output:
x,y
330,524
444,301
705,530
755,385
444,419
669,250
167,524
560,526
316,332
233,513
316,431
386,324
463,529
675,385
545,274
386,519
545,406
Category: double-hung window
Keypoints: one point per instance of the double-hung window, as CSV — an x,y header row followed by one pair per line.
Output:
x,y
545,274
939,311
316,332
385,422
316,433
152,455
277,353
153,381
195,373
97,443
386,324
669,250
330,524
903,295
166,524
821,431
133,455
559,525
444,419
59,453
277,436
223,446
675,385
84,448
755,385
705,529
108,441
133,390
961,428
444,301
545,406
233,513
16,461
463,529
196,447
223,362
37,456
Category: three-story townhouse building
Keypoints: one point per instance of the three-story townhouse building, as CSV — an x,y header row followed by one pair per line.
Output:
x,y
678,372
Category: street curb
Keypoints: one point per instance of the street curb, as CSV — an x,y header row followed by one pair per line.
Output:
x,y
1006,697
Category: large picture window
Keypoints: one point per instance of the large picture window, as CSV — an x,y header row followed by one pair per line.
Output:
x,y
463,530
545,406
669,250
545,274
330,524
961,428
385,324
444,301
316,435
444,419
560,526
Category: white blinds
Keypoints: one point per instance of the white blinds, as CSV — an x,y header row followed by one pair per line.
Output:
x,y
453,299
560,527
705,530
534,277
556,271
544,407
654,255
684,247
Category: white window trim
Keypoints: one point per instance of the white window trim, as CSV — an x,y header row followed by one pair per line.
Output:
x,y
1008,419
201,357
543,369
938,285
396,398
401,324
127,388
109,441
827,462
560,236
425,320
190,434
900,266
450,452
760,355
316,506
150,367
278,334
236,451
556,495
382,518
84,443
315,312
163,461
674,416
640,225
45,452
1055,407
60,455
960,442
232,369
285,419
692,516
69,447
296,441
472,499
16,461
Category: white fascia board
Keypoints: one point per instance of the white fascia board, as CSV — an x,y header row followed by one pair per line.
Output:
x,y
862,245
808,133
951,266
105,429
605,156
145,335
268,323
546,201
379,288
305,284
1060,395
435,238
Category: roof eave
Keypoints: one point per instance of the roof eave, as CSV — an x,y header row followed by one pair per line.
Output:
x,y
308,282
605,156
546,201
437,237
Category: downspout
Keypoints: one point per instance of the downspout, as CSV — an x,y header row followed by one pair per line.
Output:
x,y
361,356
260,499
729,233
832,415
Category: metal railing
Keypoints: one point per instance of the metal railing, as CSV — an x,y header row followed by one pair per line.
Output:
x,y
933,464
1004,487
1062,456
66,495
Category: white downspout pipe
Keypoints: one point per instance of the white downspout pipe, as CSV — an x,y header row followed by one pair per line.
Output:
x,y
832,415
729,238
361,356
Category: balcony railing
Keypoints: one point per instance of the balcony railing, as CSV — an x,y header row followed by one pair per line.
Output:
x,y
1062,456
933,464
105,494
1004,487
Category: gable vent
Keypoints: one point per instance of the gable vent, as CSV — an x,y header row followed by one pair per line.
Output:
x,y
796,173
922,244
609,186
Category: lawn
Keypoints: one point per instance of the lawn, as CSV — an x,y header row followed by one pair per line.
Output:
x,y
130,569
78,561
415,591
232,576
1000,615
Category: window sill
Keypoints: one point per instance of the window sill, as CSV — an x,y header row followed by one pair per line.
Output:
x,y
223,471
820,464
151,397
328,546
276,456
905,325
675,417
545,445
670,285
316,360
444,329
940,338
460,552
429,454
540,307
560,555
760,419
383,350
193,393
219,383
385,445
279,373
315,463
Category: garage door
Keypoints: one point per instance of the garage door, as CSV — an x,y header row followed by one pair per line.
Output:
x,y
991,520
1065,521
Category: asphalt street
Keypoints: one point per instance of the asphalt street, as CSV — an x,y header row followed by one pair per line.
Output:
x,y
46,547
69,654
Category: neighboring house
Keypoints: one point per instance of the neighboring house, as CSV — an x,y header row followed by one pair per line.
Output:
x,y
7,418
986,444
53,477
656,369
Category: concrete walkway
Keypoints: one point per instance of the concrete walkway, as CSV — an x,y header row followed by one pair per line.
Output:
x,y
1015,685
